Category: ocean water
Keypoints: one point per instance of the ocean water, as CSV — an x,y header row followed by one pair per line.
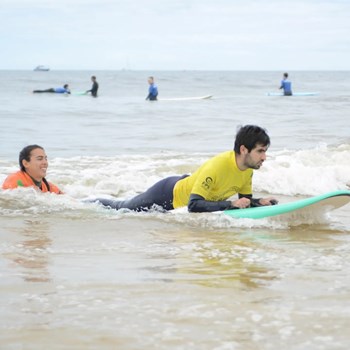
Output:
x,y
74,275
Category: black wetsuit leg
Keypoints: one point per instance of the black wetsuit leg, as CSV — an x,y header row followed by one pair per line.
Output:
x,y
160,194
94,89
47,90
152,97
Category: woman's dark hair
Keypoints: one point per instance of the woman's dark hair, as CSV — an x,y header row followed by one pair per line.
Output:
x,y
250,136
25,155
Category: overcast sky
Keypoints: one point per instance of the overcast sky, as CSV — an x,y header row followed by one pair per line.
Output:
x,y
176,34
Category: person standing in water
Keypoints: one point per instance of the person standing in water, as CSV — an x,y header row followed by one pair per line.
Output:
x,y
33,166
94,87
209,188
152,90
286,85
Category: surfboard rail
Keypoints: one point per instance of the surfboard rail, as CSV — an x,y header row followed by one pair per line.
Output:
x,y
206,97
343,197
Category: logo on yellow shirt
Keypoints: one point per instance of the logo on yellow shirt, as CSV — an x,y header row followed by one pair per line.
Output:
x,y
207,183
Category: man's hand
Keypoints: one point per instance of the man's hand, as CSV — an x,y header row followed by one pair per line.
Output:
x,y
241,203
268,201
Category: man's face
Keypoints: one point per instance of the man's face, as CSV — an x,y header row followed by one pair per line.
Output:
x,y
255,158
37,165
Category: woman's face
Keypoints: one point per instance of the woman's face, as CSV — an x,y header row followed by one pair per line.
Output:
x,y
37,165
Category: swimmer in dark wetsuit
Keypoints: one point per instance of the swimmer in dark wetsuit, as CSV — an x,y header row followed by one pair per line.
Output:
x,y
208,188
59,90
94,87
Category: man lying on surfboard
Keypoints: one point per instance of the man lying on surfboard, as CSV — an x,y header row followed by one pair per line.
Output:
x,y
59,90
208,188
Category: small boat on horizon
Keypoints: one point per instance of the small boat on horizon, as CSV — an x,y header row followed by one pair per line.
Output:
x,y
41,68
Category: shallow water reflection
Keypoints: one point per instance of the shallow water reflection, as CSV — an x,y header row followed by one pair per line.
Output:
x,y
30,254
136,283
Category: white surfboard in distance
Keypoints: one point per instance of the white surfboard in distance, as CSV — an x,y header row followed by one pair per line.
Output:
x,y
294,94
206,97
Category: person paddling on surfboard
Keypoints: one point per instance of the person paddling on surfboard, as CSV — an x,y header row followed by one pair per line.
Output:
x,y
59,90
152,90
33,164
94,87
209,187
286,85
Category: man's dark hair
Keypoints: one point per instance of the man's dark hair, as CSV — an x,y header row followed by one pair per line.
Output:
x,y
65,86
285,75
250,136
25,155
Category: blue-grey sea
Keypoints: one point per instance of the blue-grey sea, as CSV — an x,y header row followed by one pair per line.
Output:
x,y
76,276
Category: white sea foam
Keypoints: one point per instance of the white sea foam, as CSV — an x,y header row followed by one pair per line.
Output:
x,y
27,202
305,172
289,173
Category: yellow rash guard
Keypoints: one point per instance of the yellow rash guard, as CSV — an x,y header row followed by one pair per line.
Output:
x,y
216,180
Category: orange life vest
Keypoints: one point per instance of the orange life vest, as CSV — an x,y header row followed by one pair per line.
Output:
x,y
22,179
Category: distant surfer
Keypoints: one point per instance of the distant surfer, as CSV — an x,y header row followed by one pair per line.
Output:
x,y
33,166
208,188
94,87
286,85
59,90
152,90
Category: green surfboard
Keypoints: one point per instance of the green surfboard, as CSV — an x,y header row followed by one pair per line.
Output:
x,y
79,93
327,201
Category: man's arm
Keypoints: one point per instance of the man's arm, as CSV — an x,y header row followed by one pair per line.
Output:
x,y
197,204
259,202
